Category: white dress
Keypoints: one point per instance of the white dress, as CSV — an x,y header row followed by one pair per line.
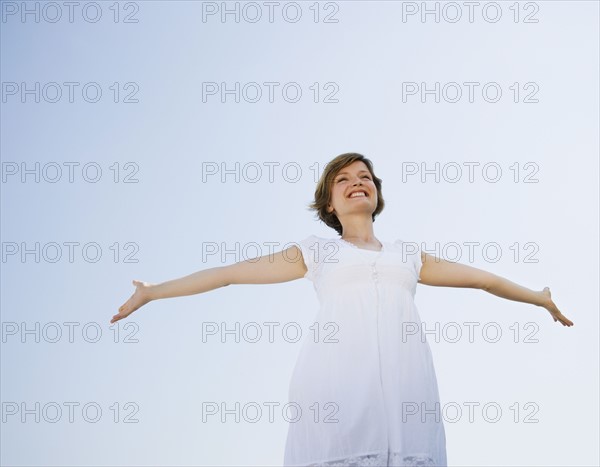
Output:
x,y
364,391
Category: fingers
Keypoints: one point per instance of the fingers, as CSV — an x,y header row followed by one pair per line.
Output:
x,y
564,320
558,316
124,306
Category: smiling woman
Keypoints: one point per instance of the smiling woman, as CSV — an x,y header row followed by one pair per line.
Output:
x,y
371,396
335,183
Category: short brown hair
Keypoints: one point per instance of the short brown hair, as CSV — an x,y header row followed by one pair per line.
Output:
x,y
323,190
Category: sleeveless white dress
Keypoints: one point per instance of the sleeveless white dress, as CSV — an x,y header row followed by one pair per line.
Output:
x,y
364,390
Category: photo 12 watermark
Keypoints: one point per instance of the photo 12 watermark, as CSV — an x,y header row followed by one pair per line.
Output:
x,y
69,172
71,252
470,12
68,332
68,412
270,12
69,92
115,12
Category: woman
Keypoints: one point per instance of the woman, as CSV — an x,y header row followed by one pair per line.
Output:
x,y
369,396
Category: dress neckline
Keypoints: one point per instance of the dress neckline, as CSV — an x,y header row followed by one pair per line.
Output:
x,y
352,245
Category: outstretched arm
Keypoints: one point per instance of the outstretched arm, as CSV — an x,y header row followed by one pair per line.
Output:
x,y
282,266
439,272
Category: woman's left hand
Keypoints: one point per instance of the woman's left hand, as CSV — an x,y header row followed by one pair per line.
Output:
x,y
552,309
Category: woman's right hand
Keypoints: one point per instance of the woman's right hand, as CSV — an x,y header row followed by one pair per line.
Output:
x,y
140,297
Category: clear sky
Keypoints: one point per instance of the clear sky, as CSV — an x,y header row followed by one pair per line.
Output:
x,y
137,140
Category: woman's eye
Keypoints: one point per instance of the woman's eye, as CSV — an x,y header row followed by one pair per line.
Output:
x,y
344,178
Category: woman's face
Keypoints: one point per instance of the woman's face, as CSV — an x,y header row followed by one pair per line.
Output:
x,y
350,179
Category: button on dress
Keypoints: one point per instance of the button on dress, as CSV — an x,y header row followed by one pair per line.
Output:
x,y
364,390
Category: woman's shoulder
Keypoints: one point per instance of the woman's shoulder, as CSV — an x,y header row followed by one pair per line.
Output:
x,y
410,246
